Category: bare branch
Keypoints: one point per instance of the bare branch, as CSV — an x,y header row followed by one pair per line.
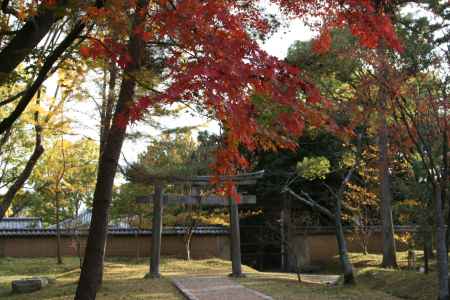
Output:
x,y
306,199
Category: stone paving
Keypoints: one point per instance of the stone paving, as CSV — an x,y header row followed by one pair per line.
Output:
x,y
321,279
215,288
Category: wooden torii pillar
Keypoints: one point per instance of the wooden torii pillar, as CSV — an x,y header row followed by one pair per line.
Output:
x,y
157,231
159,200
235,245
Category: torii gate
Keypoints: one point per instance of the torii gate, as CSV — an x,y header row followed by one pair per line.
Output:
x,y
196,182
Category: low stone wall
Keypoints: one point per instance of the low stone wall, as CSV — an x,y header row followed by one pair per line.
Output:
x,y
202,246
313,246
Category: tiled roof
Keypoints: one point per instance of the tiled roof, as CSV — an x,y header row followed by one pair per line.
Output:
x,y
13,223
175,230
332,229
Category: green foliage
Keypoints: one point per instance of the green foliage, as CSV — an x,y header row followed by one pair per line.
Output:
x,y
173,154
124,203
170,155
417,36
313,168
335,66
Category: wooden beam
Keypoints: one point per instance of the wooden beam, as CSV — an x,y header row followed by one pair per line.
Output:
x,y
240,179
211,200
237,182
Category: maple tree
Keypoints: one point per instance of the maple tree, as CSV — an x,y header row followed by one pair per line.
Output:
x,y
418,102
385,83
189,37
222,79
422,116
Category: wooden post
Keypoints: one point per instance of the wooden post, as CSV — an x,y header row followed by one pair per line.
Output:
x,y
156,232
235,240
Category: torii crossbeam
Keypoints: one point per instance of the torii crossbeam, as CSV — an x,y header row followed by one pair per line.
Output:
x,y
159,199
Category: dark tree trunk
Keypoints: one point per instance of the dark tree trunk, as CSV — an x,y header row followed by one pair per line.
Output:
x,y
29,36
30,92
445,175
342,245
385,192
92,271
25,40
389,251
4,139
107,106
23,177
442,256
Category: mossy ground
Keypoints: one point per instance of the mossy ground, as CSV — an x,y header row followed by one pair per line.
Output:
x,y
124,279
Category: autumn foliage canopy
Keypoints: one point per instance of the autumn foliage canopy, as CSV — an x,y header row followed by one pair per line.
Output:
x,y
212,61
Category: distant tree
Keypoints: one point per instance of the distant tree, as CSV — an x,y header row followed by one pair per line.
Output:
x,y
422,113
64,180
176,154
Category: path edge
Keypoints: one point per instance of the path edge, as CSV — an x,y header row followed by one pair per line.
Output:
x,y
184,291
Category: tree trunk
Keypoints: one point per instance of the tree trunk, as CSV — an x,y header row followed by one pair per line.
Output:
x,y
188,249
23,177
389,251
50,60
4,139
365,248
385,193
445,175
92,271
343,253
26,39
442,256
30,35
58,230
342,244
24,42
426,253
189,232
108,105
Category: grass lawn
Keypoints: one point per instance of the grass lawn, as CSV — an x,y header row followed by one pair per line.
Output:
x,y
124,280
